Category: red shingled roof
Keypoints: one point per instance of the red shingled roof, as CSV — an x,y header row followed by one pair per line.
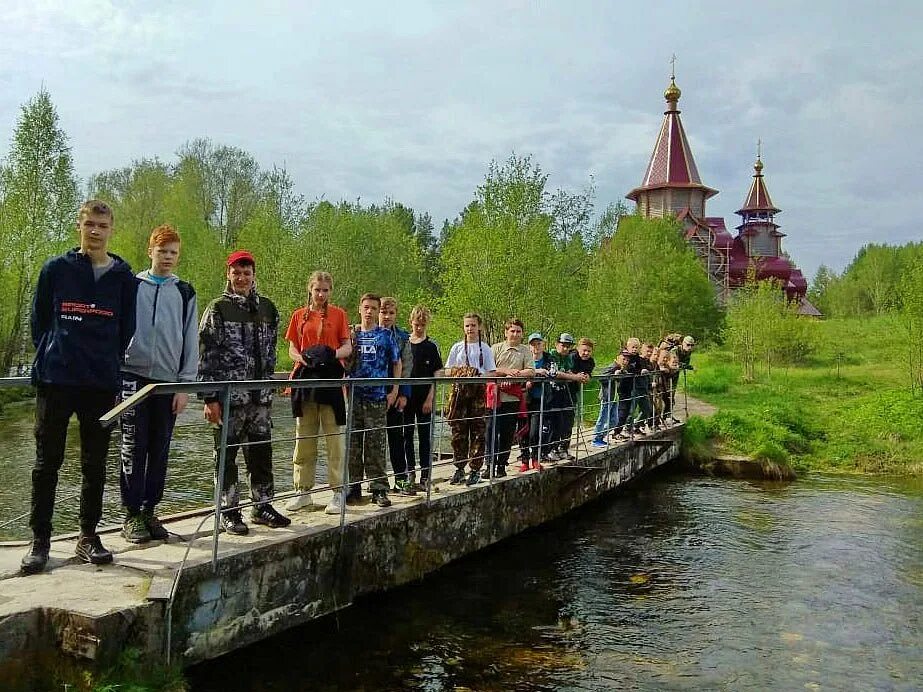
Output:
x,y
723,239
672,163
758,198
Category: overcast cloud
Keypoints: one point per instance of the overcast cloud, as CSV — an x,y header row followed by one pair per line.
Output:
x,y
411,100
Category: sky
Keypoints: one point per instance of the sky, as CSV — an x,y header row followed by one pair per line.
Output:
x,y
412,100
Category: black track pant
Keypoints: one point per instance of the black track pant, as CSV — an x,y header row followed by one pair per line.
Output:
x,y
54,406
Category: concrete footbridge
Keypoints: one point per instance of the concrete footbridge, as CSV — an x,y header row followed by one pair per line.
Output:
x,y
199,595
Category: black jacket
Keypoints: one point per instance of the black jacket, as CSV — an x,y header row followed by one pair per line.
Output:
x,y
81,326
320,364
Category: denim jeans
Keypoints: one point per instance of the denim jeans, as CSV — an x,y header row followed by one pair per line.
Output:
x,y
606,421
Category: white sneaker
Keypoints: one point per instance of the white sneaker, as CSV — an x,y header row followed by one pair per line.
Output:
x,y
336,504
299,502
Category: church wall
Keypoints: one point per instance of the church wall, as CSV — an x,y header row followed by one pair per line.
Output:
x,y
679,200
763,245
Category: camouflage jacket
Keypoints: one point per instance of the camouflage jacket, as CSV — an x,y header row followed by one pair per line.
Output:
x,y
237,341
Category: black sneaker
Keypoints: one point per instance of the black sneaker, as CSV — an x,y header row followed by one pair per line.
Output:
x,y
485,474
267,515
500,471
158,531
234,524
380,498
35,560
354,496
473,478
134,528
90,549
458,477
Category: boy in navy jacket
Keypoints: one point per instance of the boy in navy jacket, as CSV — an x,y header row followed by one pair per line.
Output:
x,y
83,316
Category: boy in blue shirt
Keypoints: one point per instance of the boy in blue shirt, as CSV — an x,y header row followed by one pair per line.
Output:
x,y
376,355
165,348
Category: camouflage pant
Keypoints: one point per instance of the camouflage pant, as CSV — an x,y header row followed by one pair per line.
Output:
x,y
367,444
250,424
469,425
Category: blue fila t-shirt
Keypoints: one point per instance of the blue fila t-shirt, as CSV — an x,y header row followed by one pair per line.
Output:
x,y
377,351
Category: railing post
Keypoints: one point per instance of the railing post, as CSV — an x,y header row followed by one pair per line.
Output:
x,y
347,446
579,421
541,422
222,462
492,447
432,440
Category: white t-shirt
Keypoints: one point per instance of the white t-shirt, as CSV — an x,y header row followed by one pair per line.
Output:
x,y
475,352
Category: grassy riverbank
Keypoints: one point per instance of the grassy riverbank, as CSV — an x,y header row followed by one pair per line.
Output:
x,y
849,408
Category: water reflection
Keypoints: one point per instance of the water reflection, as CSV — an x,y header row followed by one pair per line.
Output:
x,y
678,583
189,477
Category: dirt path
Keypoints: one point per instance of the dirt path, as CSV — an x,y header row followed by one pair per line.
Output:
x,y
696,407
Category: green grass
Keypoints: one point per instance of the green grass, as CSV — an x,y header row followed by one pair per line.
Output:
x,y
848,408
14,394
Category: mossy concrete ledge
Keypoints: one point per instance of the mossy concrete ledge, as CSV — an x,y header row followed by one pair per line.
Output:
x,y
273,580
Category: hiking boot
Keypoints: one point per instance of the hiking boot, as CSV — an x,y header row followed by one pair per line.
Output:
x,y
157,530
500,471
458,477
90,549
536,466
485,474
552,456
134,529
234,524
380,498
523,467
300,502
354,496
267,515
35,560
336,504
473,478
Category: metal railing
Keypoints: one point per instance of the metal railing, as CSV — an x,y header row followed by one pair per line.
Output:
x,y
554,408
547,412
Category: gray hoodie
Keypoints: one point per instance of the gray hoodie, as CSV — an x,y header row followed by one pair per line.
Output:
x,y
165,346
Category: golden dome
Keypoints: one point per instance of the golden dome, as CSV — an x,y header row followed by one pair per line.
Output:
x,y
758,167
672,92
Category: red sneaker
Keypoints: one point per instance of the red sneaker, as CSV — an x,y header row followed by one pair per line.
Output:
x,y
536,465
523,467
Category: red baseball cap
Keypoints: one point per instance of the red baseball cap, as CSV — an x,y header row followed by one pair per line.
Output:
x,y
241,257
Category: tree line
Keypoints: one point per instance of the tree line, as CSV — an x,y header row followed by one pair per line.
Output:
x,y
881,279
518,248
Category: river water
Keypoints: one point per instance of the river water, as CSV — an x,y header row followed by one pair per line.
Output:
x,y
189,478
678,582
675,582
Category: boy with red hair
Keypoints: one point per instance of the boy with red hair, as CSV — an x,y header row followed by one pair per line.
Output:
x,y
164,348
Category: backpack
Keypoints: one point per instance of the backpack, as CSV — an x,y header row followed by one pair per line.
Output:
x,y
187,293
